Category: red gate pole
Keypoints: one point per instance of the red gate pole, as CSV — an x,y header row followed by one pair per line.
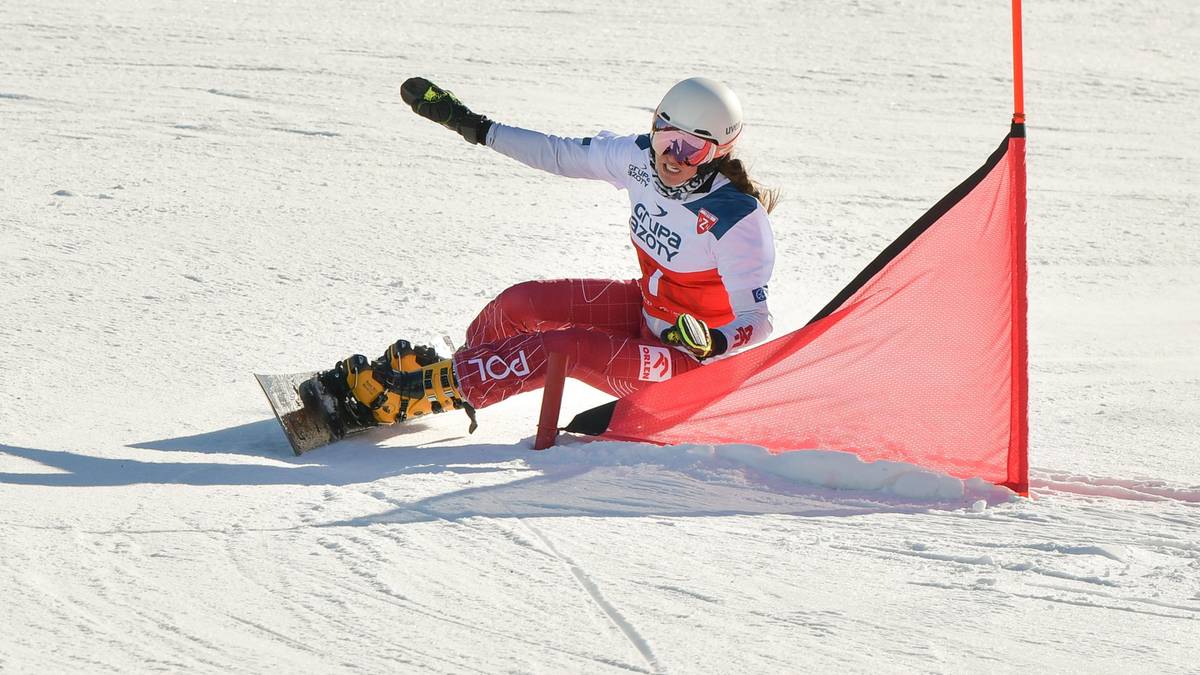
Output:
x,y
1018,478
1018,66
556,375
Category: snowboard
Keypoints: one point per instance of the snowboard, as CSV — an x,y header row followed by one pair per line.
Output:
x,y
309,415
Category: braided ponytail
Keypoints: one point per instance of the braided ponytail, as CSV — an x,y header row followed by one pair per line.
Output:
x,y
735,171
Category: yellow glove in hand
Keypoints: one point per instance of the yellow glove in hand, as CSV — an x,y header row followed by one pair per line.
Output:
x,y
692,334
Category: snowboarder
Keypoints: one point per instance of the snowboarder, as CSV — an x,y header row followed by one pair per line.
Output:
x,y
703,240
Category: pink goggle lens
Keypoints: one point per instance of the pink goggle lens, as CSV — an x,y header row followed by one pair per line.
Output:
x,y
681,146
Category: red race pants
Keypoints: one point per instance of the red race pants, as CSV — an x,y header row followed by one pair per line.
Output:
x,y
596,323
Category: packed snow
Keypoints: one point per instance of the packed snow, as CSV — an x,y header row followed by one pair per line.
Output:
x,y
193,192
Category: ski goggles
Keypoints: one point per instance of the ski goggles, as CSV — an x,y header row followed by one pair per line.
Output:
x,y
685,148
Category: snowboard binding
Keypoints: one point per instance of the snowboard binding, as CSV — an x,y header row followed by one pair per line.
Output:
x,y
404,383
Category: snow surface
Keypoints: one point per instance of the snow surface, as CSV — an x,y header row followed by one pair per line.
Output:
x,y
196,191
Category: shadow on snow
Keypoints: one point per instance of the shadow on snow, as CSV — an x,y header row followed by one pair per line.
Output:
x,y
577,479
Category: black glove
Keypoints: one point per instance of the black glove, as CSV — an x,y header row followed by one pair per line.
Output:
x,y
434,103
694,335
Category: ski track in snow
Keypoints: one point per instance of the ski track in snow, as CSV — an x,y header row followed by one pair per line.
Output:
x,y
589,585
192,194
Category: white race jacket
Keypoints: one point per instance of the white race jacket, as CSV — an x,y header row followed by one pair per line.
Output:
x,y
709,255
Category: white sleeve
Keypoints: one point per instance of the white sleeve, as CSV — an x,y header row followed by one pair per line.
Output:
x,y
749,327
745,261
601,157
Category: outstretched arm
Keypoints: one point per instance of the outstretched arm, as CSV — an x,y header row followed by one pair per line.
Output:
x,y
570,157
601,157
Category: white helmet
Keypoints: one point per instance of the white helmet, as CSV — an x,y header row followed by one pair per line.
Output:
x,y
705,108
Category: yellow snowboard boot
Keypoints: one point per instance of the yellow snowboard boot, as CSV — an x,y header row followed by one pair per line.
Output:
x,y
405,382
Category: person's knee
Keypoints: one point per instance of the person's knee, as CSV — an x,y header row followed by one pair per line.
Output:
x,y
577,341
560,340
517,302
